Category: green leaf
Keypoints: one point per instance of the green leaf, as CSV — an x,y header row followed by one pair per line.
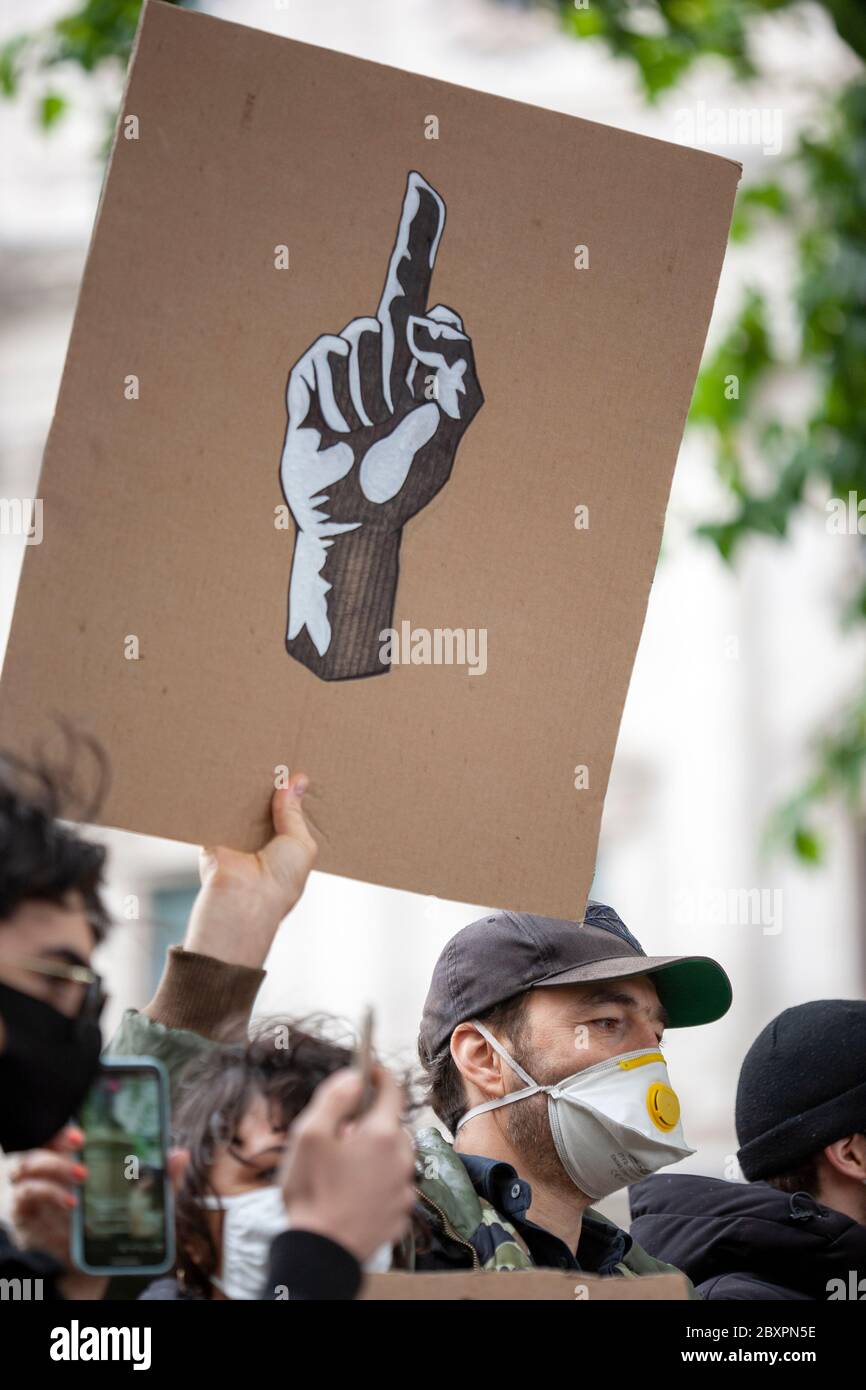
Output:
x,y
11,54
51,108
808,846
753,204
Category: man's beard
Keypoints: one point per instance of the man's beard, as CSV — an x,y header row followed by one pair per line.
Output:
x,y
529,1134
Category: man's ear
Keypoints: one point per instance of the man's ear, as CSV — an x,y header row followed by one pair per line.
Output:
x,y
847,1157
478,1063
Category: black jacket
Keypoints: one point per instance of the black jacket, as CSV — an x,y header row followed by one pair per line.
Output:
x,y
303,1266
748,1240
306,1265
31,1274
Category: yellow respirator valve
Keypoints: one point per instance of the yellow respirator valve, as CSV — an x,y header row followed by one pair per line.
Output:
x,y
663,1106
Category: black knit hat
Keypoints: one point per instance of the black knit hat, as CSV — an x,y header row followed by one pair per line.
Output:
x,y
802,1086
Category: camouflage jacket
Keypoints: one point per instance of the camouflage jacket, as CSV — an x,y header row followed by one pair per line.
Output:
x,y
456,1226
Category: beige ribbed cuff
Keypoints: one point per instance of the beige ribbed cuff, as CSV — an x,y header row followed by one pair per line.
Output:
x,y
204,995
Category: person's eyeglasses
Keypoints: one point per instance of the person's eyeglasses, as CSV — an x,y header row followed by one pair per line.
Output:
x,y
93,996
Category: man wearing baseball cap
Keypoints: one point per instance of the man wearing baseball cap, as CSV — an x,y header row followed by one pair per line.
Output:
x,y
796,1229
541,1042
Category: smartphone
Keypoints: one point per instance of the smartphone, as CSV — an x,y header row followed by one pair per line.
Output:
x,y
124,1221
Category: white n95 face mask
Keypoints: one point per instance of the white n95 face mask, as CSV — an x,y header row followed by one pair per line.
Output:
x,y
612,1124
252,1221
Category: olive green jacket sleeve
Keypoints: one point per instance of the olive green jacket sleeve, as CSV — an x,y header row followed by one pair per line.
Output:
x,y
200,1001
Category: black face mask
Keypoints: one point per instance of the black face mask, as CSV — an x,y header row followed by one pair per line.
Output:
x,y
46,1068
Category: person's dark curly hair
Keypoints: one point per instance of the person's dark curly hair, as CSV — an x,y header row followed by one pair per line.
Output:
x,y
40,858
283,1062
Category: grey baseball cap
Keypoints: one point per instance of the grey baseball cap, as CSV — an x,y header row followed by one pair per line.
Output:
x,y
509,952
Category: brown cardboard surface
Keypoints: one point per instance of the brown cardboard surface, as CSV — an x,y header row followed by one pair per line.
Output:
x,y
533,1284
159,512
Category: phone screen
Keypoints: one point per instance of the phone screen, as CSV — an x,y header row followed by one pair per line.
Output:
x,y
124,1200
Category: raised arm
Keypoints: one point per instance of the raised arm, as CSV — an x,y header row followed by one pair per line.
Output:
x,y
209,984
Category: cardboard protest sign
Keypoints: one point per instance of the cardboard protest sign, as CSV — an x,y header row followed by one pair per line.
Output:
x,y
535,1284
361,458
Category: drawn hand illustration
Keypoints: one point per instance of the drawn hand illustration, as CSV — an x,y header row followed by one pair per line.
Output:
x,y
376,413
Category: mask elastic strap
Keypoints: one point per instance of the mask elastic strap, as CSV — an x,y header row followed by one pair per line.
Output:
x,y
531,1088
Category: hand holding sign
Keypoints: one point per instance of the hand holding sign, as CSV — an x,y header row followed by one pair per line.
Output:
x,y
375,417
